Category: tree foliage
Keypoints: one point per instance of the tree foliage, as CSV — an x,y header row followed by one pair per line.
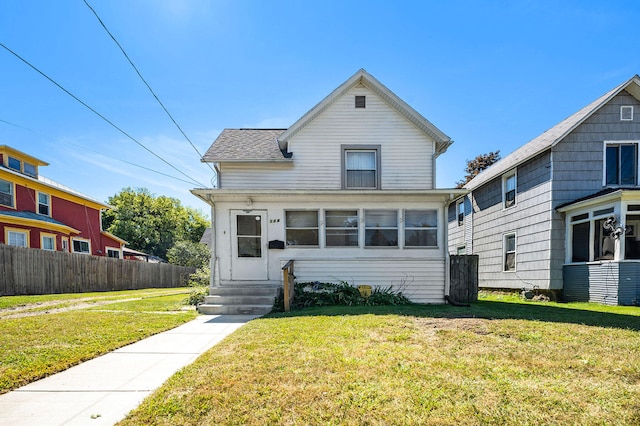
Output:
x,y
188,253
478,164
150,223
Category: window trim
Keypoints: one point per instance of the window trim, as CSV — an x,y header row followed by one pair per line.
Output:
x,y
12,194
505,179
628,108
505,252
39,203
25,232
608,143
398,228
460,203
44,235
287,227
424,228
113,249
74,239
343,163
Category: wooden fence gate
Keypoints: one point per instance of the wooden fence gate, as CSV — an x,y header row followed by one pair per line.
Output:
x,y
464,278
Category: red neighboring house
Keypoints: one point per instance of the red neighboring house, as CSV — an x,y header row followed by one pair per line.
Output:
x,y
36,212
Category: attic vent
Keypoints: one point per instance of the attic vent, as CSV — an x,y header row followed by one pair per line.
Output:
x,y
361,101
626,113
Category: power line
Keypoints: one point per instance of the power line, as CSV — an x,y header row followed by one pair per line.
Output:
x,y
97,152
145,82
99,115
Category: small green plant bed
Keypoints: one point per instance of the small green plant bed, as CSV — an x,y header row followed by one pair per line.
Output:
x,y
37,343
316,294
494,363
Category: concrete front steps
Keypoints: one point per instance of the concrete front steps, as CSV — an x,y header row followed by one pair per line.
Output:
x,y
241,298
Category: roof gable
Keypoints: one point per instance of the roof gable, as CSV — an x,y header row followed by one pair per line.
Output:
x,y
362,77
554,135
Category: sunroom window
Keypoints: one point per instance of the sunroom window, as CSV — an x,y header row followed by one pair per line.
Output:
x,y
421,228
301,227
341,228
381,228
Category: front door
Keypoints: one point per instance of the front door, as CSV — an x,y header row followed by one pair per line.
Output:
x,y
248,245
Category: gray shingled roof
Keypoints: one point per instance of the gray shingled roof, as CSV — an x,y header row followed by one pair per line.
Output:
x,y
548,138
246,145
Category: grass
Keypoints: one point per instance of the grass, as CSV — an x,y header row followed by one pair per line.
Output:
x,y
502,361
42,335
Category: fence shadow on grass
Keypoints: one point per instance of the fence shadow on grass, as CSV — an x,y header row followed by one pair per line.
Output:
x,y
553,312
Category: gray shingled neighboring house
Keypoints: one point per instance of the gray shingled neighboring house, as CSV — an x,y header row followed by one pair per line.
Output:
x,y
562,212
347,192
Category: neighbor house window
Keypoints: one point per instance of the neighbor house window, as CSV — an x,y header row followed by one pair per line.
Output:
x,y
460,210
65,244
509,247
621,160
632,235
509,189
29,169
421,228
301,227
81,246
361,166
48,242
6,193
44,204
381,228
341,228
113,253
626,113
15,164
592,235
18,238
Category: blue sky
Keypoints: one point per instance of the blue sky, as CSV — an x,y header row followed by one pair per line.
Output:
x,y
491,74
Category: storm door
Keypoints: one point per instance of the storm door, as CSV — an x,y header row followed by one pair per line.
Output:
x,y
248,245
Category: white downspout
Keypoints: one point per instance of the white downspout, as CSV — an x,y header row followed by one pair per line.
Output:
x,y
214,280
447,272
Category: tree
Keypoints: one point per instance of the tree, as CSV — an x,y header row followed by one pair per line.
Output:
x,y
150,223
478,164
188,253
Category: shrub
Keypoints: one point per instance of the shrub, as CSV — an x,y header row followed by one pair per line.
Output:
x,y
326,294
199,283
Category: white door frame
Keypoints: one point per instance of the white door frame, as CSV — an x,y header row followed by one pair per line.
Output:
x,y
250,263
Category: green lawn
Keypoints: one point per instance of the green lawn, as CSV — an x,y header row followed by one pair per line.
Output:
x,y
502,361
41,335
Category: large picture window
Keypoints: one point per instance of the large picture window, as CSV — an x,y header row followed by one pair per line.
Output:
x,y
6,193
420,228
302,227
381,228
341,228
361,166
621,160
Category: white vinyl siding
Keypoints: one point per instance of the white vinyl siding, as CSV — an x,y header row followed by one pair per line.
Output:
x,y
406,155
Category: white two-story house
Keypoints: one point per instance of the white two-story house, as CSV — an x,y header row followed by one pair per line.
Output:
x,y
347,192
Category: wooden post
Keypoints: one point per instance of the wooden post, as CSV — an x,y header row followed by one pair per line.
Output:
x,y
288,291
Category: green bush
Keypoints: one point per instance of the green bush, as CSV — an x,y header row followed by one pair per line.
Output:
x,y
199,283
326,294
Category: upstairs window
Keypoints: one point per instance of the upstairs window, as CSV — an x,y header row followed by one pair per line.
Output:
x,y
626,113
15,164
44,204
361,101
29,169
621,163
361,167
460,210
6,193
509,185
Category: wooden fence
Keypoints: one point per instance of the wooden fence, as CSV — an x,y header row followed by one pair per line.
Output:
x,y
464,278
34,271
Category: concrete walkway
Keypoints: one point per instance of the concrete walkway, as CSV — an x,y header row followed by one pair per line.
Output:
x,y
103,390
